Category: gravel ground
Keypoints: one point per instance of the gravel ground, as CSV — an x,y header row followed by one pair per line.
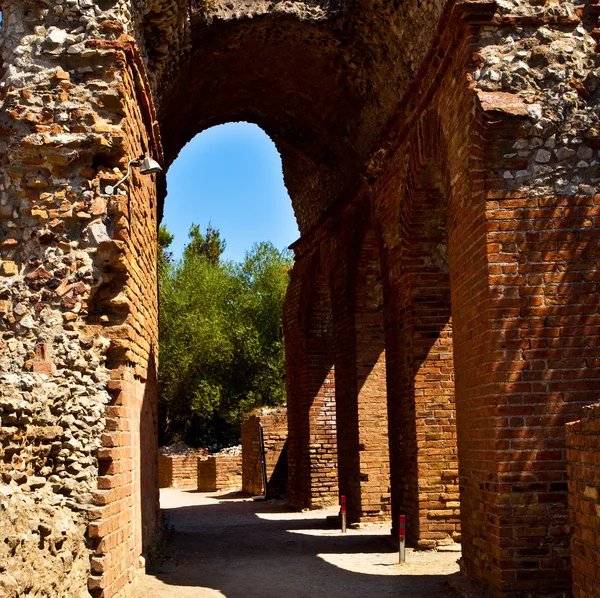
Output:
x,y
222,545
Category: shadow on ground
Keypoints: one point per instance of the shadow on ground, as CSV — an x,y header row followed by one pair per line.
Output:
x,y
241,548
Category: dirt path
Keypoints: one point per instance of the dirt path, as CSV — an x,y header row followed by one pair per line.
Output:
x,y
222,545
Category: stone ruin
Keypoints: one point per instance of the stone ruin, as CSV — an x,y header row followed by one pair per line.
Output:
x,y
178,465
274,442
221,471
442,317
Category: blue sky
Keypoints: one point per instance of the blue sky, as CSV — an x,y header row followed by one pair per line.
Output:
x,y
231,176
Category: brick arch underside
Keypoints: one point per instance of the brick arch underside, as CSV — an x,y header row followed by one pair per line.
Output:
x,y
322,87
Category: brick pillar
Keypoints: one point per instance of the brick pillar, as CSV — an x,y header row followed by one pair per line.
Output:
x,y
298,485
373,446
527,361
312,447
421,379
321,395
346,404
361,398
126,305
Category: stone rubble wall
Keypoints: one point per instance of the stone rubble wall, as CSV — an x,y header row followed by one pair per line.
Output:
x,y
74,394
275,433
219,472
583,466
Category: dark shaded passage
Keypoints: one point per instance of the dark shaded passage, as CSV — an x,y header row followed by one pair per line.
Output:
x,y
220,545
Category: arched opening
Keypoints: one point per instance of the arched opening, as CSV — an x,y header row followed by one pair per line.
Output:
x,y
222,290
311,116
231,176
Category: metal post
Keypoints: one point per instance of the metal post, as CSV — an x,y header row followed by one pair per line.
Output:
x,y
402,534
343,510
263,459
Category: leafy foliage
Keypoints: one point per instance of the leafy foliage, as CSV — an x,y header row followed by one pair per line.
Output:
x,y
221,339
210,245
165,238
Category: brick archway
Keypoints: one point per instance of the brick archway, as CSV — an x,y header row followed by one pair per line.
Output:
x,y
347,92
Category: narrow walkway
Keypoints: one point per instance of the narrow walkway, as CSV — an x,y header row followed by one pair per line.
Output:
x,y
223,545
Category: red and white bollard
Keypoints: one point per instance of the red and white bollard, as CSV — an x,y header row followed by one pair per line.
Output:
x,y
343,512
402,536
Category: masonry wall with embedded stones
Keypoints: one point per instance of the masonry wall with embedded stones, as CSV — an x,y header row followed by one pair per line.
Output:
x,y
78,302
463,147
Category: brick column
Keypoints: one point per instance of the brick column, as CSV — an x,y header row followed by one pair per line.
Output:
x,y
298,485
321,395
361,399
346,384
526,365
421,379
371,396
311,398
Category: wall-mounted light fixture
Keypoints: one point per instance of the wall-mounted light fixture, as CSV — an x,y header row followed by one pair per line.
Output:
x,y
146,165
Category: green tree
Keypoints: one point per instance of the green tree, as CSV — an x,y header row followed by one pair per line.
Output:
x,y
221,341
209,245
165,239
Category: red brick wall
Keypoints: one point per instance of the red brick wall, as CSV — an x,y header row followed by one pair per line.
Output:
x,y
540,365
583,469
178,471
372,420
220,472
322,448
126,305
274,423
312,446
421,378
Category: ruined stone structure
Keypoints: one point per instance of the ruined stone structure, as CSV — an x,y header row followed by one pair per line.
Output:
x,y
275,432
179,471
219,472
441,323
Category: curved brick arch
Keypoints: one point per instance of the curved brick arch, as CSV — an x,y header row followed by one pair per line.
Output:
x,y
340,87
298,70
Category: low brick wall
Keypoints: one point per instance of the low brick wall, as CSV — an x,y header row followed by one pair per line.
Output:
x,y
275,431
178,471
219,472
583,468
